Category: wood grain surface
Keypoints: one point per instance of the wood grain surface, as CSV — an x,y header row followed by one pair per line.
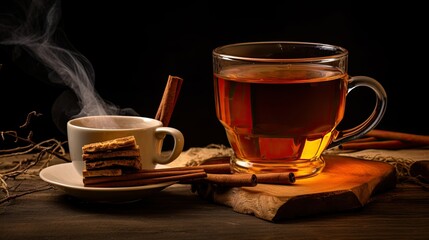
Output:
x,y
176,212
345,183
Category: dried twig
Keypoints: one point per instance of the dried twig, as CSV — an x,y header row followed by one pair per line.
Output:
x,y
44,152
29,117
52,146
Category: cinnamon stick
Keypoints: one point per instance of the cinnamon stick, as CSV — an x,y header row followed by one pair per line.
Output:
x,y
406,137
383,139
217,160
276,178
387,144
143,174
365,139
220,168
151,176
233,180
147,181
169,99
209,168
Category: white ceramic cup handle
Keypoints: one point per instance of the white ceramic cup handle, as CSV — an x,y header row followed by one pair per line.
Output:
x,y
371,122
168,156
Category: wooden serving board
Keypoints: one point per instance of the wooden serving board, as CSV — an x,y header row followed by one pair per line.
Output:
x,y
345,183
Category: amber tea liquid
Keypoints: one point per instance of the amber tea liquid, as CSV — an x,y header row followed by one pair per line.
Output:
x,y
280,117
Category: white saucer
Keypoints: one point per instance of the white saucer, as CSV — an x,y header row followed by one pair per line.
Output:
x,y
65,177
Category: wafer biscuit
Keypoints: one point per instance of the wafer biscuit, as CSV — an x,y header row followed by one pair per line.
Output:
x,y
113,157
102,172
109,145
107,163
134,152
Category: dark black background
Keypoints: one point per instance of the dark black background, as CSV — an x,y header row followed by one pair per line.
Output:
x,y
134,46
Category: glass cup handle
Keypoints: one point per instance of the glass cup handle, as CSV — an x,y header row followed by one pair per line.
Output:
x,y
342,136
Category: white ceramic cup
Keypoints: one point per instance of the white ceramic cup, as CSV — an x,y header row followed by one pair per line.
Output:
x,y
149,134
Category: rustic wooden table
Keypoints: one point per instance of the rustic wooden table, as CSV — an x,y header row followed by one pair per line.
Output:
x,y
178,213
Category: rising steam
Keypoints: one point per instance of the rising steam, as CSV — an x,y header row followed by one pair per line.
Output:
x,y
37,34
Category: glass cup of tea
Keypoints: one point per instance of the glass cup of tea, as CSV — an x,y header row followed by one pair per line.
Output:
x,y
281,103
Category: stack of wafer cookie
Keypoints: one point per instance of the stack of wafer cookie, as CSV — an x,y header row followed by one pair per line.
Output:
x,y
114,157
